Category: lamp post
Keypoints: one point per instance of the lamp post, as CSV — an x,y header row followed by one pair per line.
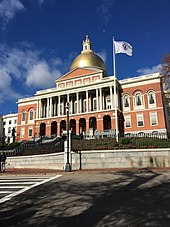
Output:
x,y
68,166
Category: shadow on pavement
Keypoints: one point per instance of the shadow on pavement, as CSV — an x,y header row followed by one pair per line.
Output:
x,y
126,199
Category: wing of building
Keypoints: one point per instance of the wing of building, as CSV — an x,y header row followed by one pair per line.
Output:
x,y
89,91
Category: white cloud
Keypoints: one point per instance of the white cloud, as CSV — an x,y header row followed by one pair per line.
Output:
x,y
103,55
147,70
40,75
24,68
9,9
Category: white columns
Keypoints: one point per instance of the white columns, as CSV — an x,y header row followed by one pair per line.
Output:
x,y
111,97
37,109
47,110
97,99
51,107
59,100
80,103
100,98
87,101
77,98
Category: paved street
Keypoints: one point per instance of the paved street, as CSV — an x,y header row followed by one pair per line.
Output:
x,y
93,199
11,186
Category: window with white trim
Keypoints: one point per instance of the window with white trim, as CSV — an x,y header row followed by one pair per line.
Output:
x,y
153,118
23,116
127,121
140,120
126,102
151,99
108,104
61,108
84,105
22,132
138,100
30,131
75,107
31,115
94,104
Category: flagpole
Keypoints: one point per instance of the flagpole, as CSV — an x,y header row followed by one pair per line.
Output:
x,y
115,92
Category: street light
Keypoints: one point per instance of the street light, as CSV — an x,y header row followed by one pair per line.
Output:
x,y
68,165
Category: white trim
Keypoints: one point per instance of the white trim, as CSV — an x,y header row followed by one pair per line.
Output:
x,y
138,115
156,117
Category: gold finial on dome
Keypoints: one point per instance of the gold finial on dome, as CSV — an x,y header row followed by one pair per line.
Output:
x,y
87,58
87,45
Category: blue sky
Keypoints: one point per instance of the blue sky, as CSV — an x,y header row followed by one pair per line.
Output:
x,y
40,38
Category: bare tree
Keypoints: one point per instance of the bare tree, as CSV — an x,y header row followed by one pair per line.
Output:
x,y
165,72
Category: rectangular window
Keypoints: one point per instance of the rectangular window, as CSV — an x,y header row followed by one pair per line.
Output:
x,y
61,109
153,118
22,132
75,107
94,104
9,122
84,105
140,120
15,121
108,104
127,121
30,131
23,116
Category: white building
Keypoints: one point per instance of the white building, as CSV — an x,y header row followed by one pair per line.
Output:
x,y
9,122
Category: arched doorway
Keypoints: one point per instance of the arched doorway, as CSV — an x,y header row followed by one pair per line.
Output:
x,y
73,126
92,123
62,126
106,122
54,128
82,125
42,129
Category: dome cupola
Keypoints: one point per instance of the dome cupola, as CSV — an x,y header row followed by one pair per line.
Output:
x,y
87,58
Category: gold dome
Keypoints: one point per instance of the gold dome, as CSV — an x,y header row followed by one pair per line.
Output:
x,y
88,58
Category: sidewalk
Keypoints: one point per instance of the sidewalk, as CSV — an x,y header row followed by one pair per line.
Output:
x,y
14,171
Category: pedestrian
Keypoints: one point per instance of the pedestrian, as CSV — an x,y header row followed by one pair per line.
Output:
x,y
3,160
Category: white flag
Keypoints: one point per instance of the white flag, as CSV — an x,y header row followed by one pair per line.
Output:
x,y
123,47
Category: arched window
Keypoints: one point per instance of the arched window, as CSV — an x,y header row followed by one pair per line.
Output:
x,y
23,116
138,100
151,98
31,115
126,101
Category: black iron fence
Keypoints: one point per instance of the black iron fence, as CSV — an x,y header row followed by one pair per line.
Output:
x,y
130,141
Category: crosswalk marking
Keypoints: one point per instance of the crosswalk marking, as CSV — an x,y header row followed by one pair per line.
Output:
x,y
21,183
13,186
5,192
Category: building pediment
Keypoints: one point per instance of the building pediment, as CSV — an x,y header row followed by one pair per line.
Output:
x,y
77,73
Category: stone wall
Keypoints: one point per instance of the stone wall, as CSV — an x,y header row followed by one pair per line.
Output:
x,y
95,160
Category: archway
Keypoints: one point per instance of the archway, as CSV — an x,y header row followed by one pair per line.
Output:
x,y
62,126
106,122
73,126
54,128
92,123
82,125
42,129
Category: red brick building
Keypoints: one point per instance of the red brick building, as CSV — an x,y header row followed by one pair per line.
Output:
x,y
90,94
